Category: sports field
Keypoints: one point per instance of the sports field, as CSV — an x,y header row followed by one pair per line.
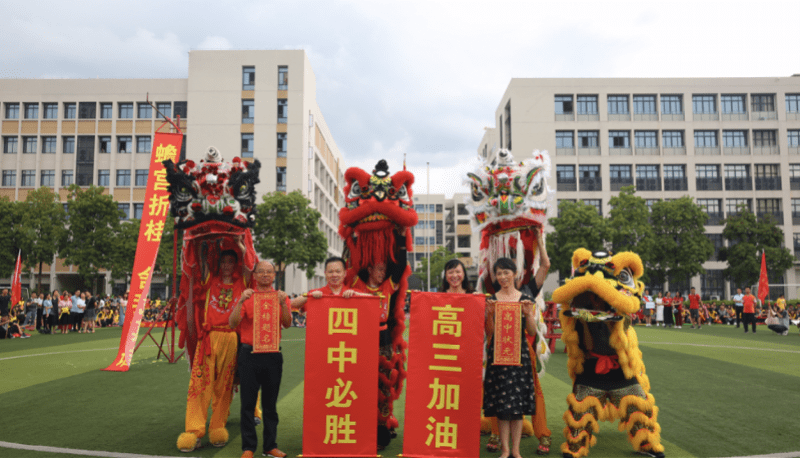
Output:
x,y
721,393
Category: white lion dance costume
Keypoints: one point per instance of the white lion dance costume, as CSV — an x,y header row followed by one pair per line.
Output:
x,y
605,363
509,205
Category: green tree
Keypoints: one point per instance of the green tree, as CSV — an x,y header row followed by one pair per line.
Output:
x,y
123,251
628,225
287,232
438,259
578,225
9,246
40,228
680,245
93,225
747,238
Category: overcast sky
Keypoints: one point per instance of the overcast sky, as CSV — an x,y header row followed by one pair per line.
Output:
x,y
422,78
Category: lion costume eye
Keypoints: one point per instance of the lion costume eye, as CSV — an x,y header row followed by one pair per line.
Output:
x,y
402,193
625,278
355,190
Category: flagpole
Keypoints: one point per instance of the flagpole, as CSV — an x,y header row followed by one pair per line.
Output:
x,y
427,224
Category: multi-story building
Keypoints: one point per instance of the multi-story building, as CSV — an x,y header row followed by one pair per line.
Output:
x,y
56,132
726,142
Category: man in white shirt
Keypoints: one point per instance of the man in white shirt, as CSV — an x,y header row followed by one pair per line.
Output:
x,y
738,302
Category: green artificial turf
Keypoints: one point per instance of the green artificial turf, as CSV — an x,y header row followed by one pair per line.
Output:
x,y
720,393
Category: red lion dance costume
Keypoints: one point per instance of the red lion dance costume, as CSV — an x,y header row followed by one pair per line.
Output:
x,y
214,202
375,225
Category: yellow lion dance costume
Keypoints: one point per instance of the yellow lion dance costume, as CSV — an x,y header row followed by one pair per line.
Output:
x,y
605,363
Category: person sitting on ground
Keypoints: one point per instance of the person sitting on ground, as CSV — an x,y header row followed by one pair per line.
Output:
x,y
778,317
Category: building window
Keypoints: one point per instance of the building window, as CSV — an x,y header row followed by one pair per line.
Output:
x,y
248,111
588,139
596,203
68,144
28,179
123,177
283,78
793,103
648,178
590,178
734,206
248,78
770,207
29,145
10,145
737,177
103,177
138,210
126,110
508,125
180,109
143,144
282,145
671,104
768,177
675,177
125,209
704,104
587,104
619,139
644,104
49,145
105,144
672,138
87,110
283,111
732,103
763,138
31,111
106,110
712,208
646,139
620,175
144,110
707,177
794,176
124,145
565,178
705,139
48,178
9,178
165,108
565,139
50,111
734,138
280,179
12,110
794,138
67,178
70,110
763,102
247,145
141,178
713,281
717,241
618,104
563,104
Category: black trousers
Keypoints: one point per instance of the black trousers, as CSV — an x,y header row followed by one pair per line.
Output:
x,y
669,318
739,312
259,371
749,318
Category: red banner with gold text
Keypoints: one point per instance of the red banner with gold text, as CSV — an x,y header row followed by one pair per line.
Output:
x,y
340,407
445,355
266,322
156,210
507,334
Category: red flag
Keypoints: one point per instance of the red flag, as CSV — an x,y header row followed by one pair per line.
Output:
x,y
16,282
763,283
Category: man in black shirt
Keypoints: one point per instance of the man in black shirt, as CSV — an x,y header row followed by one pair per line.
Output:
x,y
5,299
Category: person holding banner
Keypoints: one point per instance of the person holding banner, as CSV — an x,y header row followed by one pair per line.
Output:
x,y
455,279
335,272
509,391
259,370
214,363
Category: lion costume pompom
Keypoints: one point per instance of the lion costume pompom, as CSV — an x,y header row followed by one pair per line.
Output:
x,y
604,360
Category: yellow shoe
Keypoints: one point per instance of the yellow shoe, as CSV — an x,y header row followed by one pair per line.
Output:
x,y
188,442
275,453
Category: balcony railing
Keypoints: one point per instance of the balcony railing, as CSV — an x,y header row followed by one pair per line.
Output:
x,y
673,117
620,152
768,183
794,150
619,183
675,184
767,150
589,151
709,184
648,184
565,116
588,117
674,151
566,186
591,184
794,183
565,151
776,216
706,151
738,184
792,116
643,151
734,116
645,117
796,221
736,150
619,116
764,115
715,218
706,116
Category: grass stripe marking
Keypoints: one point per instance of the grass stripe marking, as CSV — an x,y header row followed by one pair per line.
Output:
x,y
772,455
722,346
73,451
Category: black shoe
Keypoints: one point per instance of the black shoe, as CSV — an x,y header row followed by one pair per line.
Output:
x,y
566,455
651,454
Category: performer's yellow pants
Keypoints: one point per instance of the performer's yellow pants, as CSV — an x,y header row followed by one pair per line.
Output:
x,y
212,381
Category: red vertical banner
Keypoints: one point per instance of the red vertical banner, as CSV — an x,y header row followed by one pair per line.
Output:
x,y
445,355
763,282
340,406
156,210
266,322
16,283
507,334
